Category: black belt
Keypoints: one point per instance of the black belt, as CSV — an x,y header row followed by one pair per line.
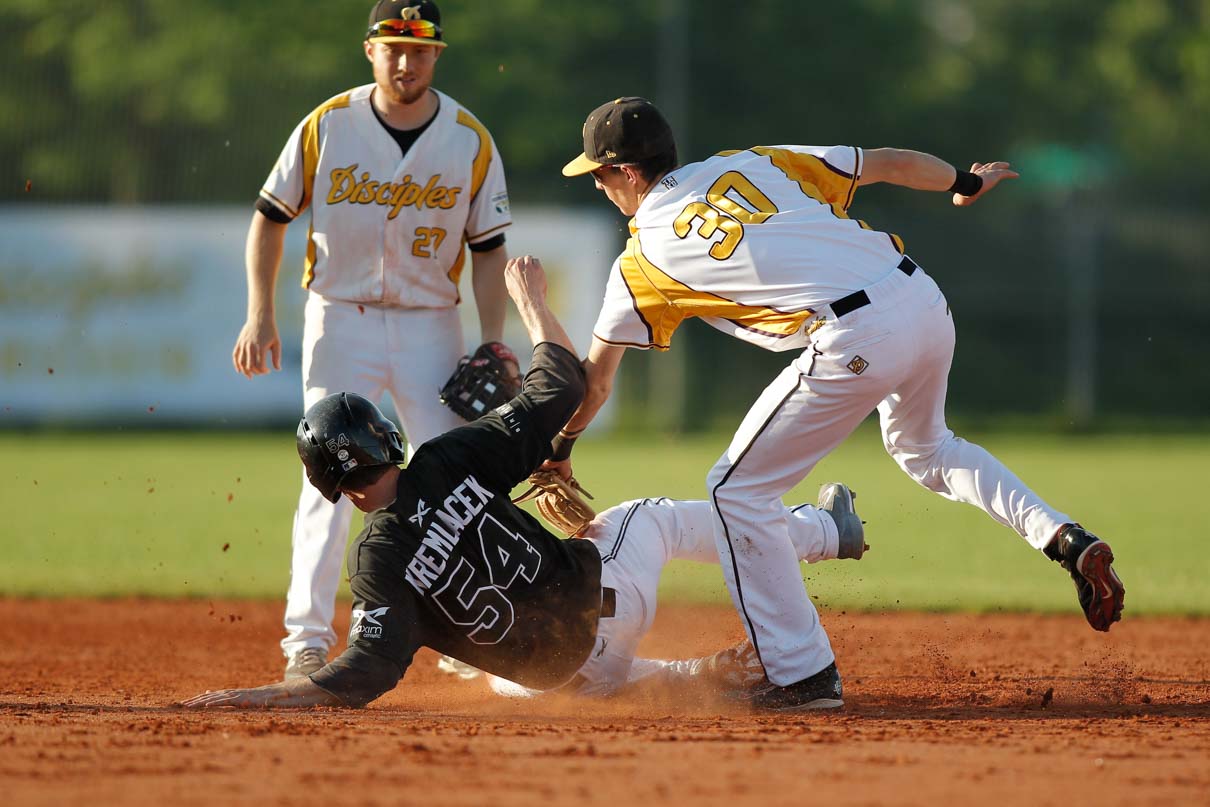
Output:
x,y
609,602
859,299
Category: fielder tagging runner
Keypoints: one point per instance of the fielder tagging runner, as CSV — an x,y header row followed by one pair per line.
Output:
x,y
759,244
448,562
399,179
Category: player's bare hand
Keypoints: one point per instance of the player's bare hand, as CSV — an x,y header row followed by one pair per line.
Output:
x,y
526,280
228,698
257,345
991,174
561,467
294,693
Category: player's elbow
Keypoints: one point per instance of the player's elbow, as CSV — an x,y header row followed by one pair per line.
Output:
x,y
555,383
906,168
886,165
597,390
572,395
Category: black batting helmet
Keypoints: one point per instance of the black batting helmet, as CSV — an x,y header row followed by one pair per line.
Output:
x,y
342,433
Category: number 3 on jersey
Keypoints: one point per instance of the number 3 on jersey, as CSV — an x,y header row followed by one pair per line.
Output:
x,y
486,610
722,211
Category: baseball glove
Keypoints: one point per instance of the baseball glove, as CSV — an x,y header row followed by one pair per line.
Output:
x,y
733,670
560,502
482,381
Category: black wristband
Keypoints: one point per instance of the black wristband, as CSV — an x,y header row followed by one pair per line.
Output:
x,y
966,183
561,446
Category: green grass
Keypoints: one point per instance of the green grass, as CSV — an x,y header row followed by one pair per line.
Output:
x,y
150,513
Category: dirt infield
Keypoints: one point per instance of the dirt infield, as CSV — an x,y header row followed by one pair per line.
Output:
x,y
1007,709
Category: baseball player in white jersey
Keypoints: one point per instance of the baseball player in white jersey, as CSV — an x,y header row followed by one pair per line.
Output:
x,y
760,245
400,179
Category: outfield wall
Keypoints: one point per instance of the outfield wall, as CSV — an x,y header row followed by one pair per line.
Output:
x,y
128,315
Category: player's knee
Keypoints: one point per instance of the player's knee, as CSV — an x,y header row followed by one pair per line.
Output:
x,y
736,488
922,465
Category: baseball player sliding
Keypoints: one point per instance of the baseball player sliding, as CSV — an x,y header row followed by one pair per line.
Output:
x,y
399,179
759,244
448,562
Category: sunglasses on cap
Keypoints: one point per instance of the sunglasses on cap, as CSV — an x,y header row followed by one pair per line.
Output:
x,y
417,29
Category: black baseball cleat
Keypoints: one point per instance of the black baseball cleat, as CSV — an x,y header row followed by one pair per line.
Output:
x,y
1089,560
836,499
820,691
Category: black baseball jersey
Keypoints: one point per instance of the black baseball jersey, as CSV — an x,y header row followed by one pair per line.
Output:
x,y
454,565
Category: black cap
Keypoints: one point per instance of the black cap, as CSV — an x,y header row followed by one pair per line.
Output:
x,y
416,21
625,130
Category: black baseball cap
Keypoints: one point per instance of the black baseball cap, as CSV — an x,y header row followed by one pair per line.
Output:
x,y
625,130
415,21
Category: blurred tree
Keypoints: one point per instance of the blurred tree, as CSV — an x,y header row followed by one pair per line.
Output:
x,y
152,100
1122,80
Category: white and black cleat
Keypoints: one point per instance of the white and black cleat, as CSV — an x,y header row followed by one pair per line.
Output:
x,y
822,690
836,499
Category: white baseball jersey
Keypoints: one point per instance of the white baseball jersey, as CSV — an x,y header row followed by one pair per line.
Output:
x,y
751,241
384,229
755,242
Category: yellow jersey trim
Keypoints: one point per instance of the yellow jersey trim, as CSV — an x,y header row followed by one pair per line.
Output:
x,y
455,272
663,302
483,158
810,172
814,177
310,153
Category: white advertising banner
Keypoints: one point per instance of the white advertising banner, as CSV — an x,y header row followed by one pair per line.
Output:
x,y
127,314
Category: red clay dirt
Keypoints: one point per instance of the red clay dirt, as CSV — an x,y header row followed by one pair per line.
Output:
x,y
1004,709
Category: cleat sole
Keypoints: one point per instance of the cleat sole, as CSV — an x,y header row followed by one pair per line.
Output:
x,y
1096,566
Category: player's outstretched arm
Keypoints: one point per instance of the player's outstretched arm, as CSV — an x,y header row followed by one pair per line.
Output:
x,y
552,389
295,693
924,172
491,298
258,342
526,281
600,368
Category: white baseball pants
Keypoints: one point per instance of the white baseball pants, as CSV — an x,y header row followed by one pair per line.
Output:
x,y
636,540
893,354
407,353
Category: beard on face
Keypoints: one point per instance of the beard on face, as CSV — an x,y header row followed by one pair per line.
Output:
x,y
408,94
412,94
